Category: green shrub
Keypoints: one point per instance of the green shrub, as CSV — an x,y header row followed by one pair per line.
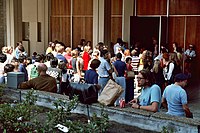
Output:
x,y
26,117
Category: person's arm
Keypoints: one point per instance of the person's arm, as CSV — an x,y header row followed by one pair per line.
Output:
x,y
135,100
108,68
188,114
153,107
115,70
26,85
155,98
193,54
171,68
164,103
78,67
95,80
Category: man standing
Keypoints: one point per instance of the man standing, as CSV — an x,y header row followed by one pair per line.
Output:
x,y
175,98
104,70
117,45
190,55
43,82
120,69
150,98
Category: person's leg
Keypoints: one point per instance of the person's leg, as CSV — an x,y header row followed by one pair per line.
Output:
x,y
2,79
122,82
102,82
129,94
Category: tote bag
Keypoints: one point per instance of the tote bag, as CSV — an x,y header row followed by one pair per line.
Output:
x,y
110,93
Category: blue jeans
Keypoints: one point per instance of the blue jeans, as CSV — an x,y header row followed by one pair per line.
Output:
x,y
2,79
102,82
122,82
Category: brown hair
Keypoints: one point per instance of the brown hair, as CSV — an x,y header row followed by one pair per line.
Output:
x,y
147,75
166,56
95,63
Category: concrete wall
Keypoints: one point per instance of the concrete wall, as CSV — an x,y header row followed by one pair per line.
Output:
x,y
2,23
34,11
129,116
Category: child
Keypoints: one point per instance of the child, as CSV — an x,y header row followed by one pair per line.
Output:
x,y
22,66
91,76
64,80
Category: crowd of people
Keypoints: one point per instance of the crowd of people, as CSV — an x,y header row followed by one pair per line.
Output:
x,y
160,75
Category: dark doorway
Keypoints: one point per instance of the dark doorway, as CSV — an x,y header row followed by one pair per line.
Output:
x,y
143,29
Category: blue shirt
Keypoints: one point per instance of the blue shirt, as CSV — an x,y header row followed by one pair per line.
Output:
x,y
175,96
22,68
120,67
103,68
190,53
150,95
91,77
61,57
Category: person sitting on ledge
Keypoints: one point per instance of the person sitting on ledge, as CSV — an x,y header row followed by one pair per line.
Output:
x,y
43,82
175,98
150,98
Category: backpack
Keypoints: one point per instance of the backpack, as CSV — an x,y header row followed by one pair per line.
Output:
x,y
34,72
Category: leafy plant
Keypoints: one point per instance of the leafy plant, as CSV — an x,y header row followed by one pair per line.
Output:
x,y
2,86
167,130
23,117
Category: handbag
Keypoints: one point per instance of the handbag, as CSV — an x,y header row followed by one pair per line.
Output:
x,y
87,93
130,74
110,93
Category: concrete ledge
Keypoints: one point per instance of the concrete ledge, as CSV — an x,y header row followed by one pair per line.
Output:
x,y
129,116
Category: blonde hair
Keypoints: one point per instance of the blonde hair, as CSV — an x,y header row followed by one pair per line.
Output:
x,y
156,66
127,52
68,50
74,53
86,48
174,58
4,50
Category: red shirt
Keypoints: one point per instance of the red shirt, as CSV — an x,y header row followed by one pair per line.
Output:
x,y
86,58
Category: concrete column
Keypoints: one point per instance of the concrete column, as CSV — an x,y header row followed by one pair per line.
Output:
x,y
95,22
2,23
46,23
107,22
13,21
128,9
18,20
101,21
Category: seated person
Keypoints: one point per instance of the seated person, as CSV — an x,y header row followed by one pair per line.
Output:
x,y
22,66
53,70
43,82
175,98
150,98
8,68
3,58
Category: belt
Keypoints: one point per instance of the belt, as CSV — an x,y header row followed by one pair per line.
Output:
x,y
104,77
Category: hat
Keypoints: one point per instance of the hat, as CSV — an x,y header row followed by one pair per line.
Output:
x,y
181,76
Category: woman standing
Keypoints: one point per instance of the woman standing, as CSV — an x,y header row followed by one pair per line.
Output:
x,y
86,58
